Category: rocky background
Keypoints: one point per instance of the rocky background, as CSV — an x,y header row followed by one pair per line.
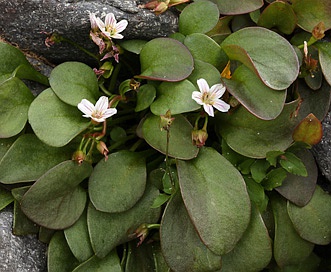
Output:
x,y
27,23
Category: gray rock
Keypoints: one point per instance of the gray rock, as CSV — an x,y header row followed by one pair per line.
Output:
x,y
27,22
19,253
322,151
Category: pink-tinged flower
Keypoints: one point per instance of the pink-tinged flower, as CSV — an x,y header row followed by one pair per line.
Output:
x,y
110,28
210,97
98,113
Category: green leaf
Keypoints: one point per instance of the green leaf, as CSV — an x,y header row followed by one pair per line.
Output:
x,y
199,44
160,200
222,220
133,46
289,247
313,221
59,256
13,59
235,7
293,164
22,225
111,262
15,99
181,245
262,101
176,97
274,178
259,170
118,183
147,257
107,230
145,97
56,200
204,70
78,239
192,20
5,144
312,12
272,157
55,122
180,142
298,189
279,15
70,86
5,198
324,53
256,193
254,251
165,59
278,66
253,137
15,168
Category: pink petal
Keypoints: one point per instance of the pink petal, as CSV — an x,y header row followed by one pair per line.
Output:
x,y
121,25
221,105
102,104
86,107
203,85
209,109
110,20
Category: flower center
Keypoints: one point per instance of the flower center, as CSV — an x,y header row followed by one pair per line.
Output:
x,y
207,98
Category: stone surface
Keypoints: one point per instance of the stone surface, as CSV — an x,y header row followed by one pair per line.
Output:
x,y
322,151
27,22
19,253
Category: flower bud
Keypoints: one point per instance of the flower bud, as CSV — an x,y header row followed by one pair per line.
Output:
x,y
199,137
166,120
101,146
79,156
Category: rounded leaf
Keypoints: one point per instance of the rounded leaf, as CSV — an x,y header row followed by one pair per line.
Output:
x,y
309,130
257,98
53,121
56,201
176,97
222,220
74,81
180,141
193,20
181,245
119,182
165,59
313,221
15,99
273,58
145,97
324,52
235,7
253,137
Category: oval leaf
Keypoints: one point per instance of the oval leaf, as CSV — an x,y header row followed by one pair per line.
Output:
x,y
192,20
309,130
165,59
257,98
279,15
199,44
222,220
70,86
176,97
324,52
289,247
298,189
313,221
180,141
312,12
181,245
107,230
56,201
254,251
273,58
53,121
145,97
235,7
110,179
15,99
253,137
15,168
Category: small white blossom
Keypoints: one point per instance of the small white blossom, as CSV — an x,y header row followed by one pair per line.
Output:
x,y
110,28
98,113
210,97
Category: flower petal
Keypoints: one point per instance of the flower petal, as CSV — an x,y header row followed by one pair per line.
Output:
x,y
102,104
203,85
86,107
109,112
221,105
197,97
121,25
110,20
209,109
218,90
117,36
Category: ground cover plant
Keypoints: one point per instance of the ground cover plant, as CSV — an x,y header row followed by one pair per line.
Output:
x,y
182,153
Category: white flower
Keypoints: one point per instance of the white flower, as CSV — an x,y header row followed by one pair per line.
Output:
x,y
110,28
210,98
100,112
